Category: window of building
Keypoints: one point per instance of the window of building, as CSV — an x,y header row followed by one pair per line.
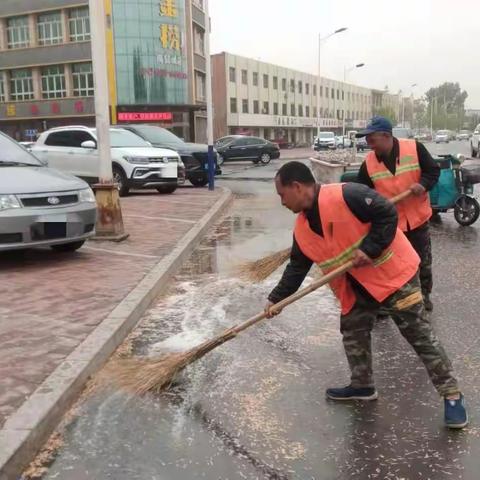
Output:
x,y
326,91
292,109
82,75
284,109
300,110
321,91
18,35
256,108
266,108
275,108
343,95
244,77
338,94
300,87
314,90
265,81
79,24
233,105
231,74
332,91
314,112
200,86
307,89
2,88
245,105
21,85
284,84
292,86
307,111
322,112
198,3
49,28
338,115
198,40
275,83
255,79
53,82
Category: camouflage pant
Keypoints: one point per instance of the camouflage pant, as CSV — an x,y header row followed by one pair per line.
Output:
x,y
420,240
406,308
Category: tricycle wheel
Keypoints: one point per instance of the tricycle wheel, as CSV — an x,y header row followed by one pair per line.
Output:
x,y
466,210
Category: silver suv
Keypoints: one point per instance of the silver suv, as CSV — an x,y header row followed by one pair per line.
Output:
x,y
40,206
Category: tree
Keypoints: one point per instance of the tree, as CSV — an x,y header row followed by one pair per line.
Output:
x,y
387,112
447,103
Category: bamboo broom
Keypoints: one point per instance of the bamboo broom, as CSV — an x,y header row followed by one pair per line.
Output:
x,y
259,270
142,375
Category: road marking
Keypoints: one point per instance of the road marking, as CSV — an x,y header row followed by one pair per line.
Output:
x,y
172,219
117,252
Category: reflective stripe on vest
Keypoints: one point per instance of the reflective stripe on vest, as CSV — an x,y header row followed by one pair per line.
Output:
x,y
343,233
413,211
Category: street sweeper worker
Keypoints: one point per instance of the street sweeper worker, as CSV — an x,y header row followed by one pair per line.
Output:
x,y
341,222
393,166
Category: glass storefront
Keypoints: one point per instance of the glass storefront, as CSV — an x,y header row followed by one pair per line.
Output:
x,y
150,52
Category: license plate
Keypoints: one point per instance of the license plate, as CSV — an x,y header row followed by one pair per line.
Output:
x,y
55,230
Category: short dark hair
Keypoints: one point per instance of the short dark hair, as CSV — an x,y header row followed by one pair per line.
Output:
x,y
295,172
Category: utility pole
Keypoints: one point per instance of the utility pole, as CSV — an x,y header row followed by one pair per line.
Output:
x,y
208,85
109,219
345,71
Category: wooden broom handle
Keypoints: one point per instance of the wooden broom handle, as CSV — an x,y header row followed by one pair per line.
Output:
x,y
313,286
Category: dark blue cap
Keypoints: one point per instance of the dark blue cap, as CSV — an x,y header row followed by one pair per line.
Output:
x,y
376,124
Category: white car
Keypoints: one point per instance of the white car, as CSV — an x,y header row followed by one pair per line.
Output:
x,y
135,163
475,142
325,140
343,142
442,136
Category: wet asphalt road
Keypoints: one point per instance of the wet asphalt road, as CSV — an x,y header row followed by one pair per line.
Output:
x,y
255,408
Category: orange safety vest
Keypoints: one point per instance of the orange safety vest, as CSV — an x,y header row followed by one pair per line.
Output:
x,y
343,233
413,211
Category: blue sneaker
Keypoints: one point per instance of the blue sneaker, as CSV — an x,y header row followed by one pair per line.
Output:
x,y
350,393
455,413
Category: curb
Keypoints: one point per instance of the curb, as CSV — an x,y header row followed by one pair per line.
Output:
x,y
29,427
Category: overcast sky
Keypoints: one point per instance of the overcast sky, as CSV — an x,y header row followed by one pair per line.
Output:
x,y
401,42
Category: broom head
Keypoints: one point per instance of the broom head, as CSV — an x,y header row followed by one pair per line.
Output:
x,y
261,269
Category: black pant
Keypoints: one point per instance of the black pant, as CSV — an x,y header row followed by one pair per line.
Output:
x,y
420,240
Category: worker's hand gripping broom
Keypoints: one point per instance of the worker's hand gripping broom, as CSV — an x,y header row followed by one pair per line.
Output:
x,y
259,270
154,375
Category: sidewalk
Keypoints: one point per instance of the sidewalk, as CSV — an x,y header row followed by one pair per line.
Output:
x,y
51,304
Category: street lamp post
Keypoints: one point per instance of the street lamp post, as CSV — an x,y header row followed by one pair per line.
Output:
x,y
208,86
345,71
109,221
320,40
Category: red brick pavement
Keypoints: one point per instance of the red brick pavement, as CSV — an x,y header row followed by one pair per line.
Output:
x,y
49,302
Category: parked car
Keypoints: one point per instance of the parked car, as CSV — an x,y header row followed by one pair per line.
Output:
x,y
464,135
135,163
40,206
241,147
475,142
442,136
194,155
343,142
362,144
402,132
324,141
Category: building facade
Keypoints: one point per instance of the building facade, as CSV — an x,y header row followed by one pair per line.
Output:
x,y
280,104
156,64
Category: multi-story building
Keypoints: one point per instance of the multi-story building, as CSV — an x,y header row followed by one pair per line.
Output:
x,y
156,64
280,104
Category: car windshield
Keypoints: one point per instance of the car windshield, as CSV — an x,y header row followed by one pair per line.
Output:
x,y
124,138
442,132
158,135
12,153
326,135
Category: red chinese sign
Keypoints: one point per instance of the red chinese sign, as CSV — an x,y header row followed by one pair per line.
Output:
x,y
79,106
55,107
144,116
34,110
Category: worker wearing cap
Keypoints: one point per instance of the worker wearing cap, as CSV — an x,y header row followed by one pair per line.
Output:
x,y
341,222
393,166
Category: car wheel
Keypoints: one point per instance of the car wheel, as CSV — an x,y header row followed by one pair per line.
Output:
x,y
68,247
220,159
166,188
120,179
200,181
265,158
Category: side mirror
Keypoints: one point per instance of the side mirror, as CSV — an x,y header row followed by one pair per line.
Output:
x,y
89,144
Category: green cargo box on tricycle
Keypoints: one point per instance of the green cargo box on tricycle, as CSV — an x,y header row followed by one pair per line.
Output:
x,y
454,189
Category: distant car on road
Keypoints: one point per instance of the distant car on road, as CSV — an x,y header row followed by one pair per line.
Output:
x,y
40,206
464,135
442,136
343,142
362,144
475,142
242,147
194,155
325,141
402,132
135,163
